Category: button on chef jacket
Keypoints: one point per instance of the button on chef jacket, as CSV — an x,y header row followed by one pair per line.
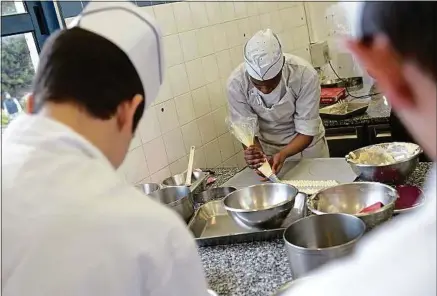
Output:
x,y
72,227
295,110
397,259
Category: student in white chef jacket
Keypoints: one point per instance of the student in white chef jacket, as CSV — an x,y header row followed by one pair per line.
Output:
x,y
399,258
283,92
70,225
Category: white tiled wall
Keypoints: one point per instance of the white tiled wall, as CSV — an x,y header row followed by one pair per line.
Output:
x,y
203,44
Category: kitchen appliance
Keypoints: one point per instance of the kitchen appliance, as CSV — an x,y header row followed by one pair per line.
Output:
x,y
263,206
177,198
352,198
315,240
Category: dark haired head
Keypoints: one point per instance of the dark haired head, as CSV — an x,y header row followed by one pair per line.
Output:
x,y
79,67
410,27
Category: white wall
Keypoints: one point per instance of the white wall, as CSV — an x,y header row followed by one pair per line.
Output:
x,y
322,21
203,43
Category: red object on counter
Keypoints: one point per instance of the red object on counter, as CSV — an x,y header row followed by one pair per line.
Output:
x,y
332,95
372,208
409,196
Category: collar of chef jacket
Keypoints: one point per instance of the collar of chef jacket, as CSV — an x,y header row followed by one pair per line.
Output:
x,y
136,33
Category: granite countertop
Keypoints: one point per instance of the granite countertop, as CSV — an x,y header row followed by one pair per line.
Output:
x,y
377,113
364,119
257,268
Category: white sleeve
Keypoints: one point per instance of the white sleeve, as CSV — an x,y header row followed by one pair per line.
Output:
x,y
237,103
306,118
180,271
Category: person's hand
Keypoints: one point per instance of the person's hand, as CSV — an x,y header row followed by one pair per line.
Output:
x,y
254,156
264,178
277,162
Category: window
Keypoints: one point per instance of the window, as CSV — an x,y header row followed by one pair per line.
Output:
x,y
25,25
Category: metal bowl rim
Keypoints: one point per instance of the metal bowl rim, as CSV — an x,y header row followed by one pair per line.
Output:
x,y
180,174
385,207
362,165
254,210
176,202
422,199
217,188
353,241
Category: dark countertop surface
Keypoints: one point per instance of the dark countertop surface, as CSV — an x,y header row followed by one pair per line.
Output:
x,y
377,112
257,268
364,119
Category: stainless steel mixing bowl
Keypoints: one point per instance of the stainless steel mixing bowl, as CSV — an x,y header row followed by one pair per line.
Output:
x,y
179,179
395,173
148,188
263,206
212,194
351,198
178,198
316,240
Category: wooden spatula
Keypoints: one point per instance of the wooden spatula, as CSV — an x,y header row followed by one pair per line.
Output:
x,y
190,167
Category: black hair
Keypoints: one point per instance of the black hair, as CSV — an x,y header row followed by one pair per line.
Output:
x,y
81,67
410,27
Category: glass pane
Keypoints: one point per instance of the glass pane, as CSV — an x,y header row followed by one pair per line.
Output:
x,y
12,7
19,58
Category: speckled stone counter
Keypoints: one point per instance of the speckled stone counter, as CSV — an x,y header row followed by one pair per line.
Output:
x,y
257,268
379,114
364,119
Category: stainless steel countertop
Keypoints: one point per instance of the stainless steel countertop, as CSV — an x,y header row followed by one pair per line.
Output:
x,y
317,169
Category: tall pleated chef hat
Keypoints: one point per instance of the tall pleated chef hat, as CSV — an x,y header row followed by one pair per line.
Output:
x,y
133,31
263,55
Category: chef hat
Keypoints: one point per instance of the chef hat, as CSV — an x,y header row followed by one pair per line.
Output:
x,y
133,31
263,55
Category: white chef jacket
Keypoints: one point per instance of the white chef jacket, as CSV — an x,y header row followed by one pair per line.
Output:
x,y
398,259
71,227
295,111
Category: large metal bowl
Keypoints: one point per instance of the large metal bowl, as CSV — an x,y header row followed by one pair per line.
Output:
x,y
394,173
178,198
148,188
351,198
263,206
313,241
212,194
179,179
198,181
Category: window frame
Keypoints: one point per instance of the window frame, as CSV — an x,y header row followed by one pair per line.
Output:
x,y
40,19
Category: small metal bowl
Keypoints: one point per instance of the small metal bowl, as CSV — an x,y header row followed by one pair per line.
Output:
x,y
351,198
263,206
178,198
212,194
395,173
179,179
410,198
212,293
148,188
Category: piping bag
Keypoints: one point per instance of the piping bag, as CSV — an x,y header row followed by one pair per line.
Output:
x,y
243,130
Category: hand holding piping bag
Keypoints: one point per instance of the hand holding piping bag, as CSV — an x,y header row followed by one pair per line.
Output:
x,y
244,130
